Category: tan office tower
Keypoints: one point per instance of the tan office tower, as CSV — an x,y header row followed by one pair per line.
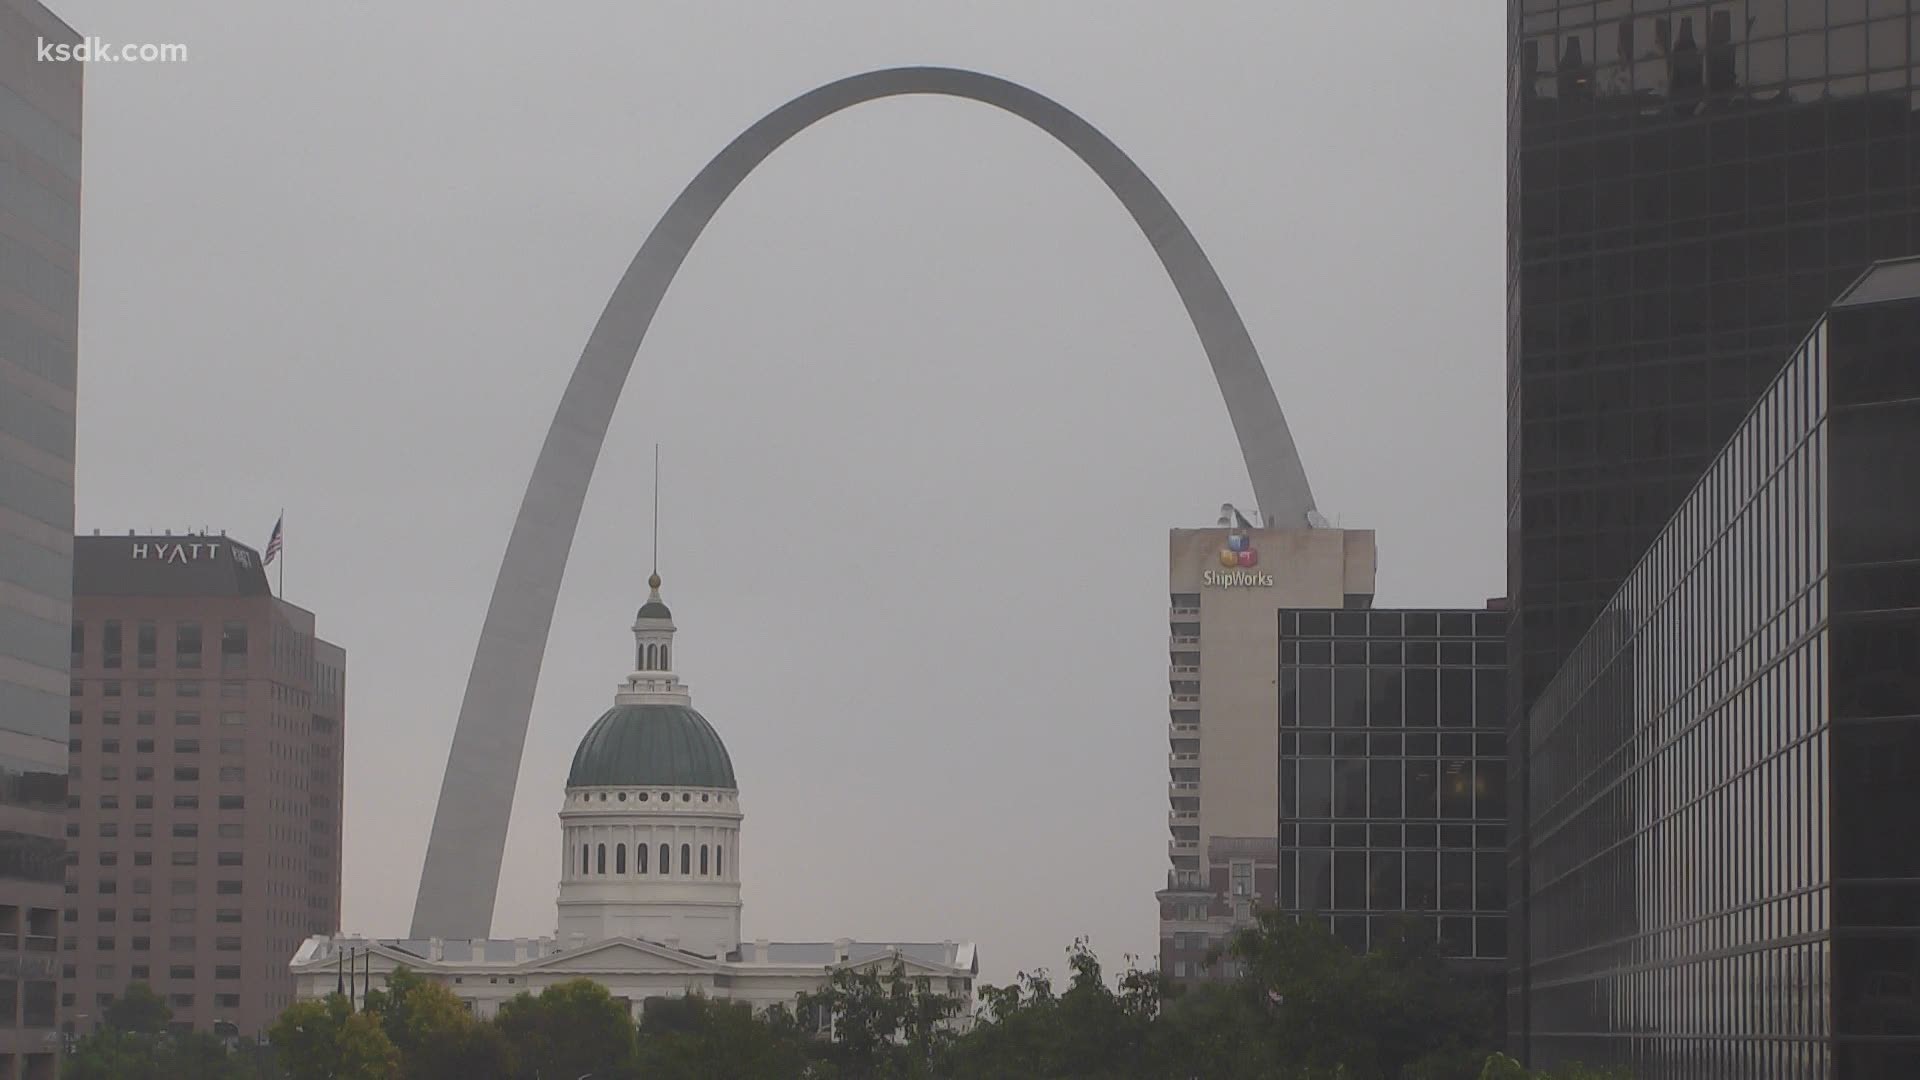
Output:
x,y
1228,585
204,749
39,329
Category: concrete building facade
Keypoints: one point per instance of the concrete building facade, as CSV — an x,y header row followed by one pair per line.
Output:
x,y
205,739
39,332
1226,587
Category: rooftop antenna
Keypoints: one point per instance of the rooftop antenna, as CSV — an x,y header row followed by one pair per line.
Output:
x,y
656,509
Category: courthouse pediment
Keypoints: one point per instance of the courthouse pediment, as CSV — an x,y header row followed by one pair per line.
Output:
x,y
627,955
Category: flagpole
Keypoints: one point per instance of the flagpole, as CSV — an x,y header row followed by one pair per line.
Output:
x,y
281,526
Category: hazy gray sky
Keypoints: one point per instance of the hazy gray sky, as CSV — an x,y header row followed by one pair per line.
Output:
x,y
928,402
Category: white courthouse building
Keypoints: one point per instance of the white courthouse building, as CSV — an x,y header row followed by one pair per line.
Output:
x,y
649,871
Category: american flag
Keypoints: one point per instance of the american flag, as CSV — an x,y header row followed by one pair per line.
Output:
x,y
273,542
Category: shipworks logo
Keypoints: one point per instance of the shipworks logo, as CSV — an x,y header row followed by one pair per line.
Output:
x,y
1239,558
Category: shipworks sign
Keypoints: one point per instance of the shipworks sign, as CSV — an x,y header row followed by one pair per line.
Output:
x,y
1239,561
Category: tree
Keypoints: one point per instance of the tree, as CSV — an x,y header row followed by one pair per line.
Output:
x,y
695,1037
875,1026
1399,1010
1215,1029
139,1010
1502,1067
572,1029
435,1032
327,1040
199,1055
112,1055
126,1055
1089,1030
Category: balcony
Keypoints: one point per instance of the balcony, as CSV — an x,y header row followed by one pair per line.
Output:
x,y
1183,671
1185,699
1182,642
1193,880
1184,613
1183,761
1182,787
1187,729
1177,848
1183,817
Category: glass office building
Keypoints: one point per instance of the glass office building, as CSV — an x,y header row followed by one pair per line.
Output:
x,y
1727,770
39,322
1393,764
1689,185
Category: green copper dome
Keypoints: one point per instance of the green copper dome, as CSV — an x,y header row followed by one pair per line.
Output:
x,y
647,745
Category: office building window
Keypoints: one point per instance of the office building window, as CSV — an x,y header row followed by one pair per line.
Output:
x,y
233,646
186,645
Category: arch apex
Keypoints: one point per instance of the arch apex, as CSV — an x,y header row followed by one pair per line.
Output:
x,y
468,840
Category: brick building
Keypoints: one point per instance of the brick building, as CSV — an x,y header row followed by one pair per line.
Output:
x,y
204,782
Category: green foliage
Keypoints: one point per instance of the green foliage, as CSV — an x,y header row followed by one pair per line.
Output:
x,y
1400,1010
695,1037
874,1025
572,1029
139,1010
1304,1007
113,1055
327,1040
434,1031
126,1055
1502,1067
1089,1030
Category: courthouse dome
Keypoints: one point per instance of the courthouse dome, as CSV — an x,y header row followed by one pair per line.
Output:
x,y
651,745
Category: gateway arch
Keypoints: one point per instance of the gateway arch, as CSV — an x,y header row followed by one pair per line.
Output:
x,y
468,842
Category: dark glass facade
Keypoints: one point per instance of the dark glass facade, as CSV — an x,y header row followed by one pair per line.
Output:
x,y
39,325
1690,184
1721,875
1393,763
